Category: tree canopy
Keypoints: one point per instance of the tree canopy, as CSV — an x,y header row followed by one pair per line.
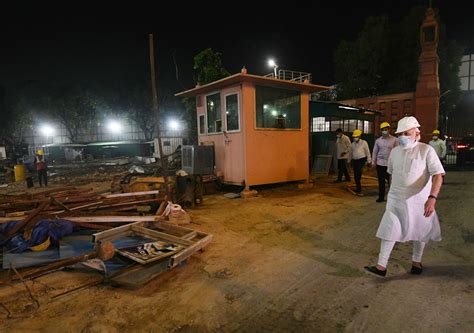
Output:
x,y
384,60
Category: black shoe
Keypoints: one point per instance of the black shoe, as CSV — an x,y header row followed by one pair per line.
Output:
x,y
379,200
347,180
416,270
376,271
337,181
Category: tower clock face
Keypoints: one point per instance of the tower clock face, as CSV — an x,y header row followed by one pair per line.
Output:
x,y
429,34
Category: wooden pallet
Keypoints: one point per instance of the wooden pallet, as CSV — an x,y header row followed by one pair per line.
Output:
x,y
189,241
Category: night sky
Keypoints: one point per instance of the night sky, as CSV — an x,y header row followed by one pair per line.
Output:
x,y
102,45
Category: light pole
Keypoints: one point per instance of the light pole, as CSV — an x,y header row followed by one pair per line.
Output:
x,y
272,63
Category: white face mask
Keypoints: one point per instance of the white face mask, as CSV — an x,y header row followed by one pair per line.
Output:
x,y
385,132
405,140
435,137
356,139
338,136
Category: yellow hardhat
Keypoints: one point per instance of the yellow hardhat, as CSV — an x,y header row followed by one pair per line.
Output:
x,y
40,152
356,133
384,124
41,247
436,132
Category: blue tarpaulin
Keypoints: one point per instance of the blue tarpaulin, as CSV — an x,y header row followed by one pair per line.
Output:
x,y
54,229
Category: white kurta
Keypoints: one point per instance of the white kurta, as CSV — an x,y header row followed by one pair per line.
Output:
x,y
411,168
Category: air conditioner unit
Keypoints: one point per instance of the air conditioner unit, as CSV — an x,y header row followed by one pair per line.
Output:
x,y
197,160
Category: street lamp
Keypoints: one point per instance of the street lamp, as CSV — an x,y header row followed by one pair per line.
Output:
x,y
173,125
114,127
46,130
273,64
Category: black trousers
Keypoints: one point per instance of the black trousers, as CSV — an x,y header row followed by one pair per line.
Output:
x,y
43,177
382,174
342,168
358,165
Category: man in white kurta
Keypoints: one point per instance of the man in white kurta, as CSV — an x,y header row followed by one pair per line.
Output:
x,y
416,180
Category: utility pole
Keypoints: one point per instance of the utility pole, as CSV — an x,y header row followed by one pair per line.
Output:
x,y
164,165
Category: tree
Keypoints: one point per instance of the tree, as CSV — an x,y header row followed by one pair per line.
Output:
x,y
131,97
74,107
362,65
208,67
17,119
384,60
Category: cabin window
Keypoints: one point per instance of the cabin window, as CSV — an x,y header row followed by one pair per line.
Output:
x,y
213,112
277,108
232,112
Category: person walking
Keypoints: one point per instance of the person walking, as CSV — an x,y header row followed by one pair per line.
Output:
x,y
343,144
410,215
359,154
438,145
382,148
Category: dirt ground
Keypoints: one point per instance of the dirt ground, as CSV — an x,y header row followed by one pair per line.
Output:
x,y
288,260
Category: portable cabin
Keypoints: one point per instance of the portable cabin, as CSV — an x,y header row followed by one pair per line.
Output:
x,y
259,127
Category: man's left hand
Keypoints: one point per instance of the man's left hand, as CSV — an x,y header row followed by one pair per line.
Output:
x,y
429,207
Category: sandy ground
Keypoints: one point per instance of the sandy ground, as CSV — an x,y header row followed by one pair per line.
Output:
x,y
288,260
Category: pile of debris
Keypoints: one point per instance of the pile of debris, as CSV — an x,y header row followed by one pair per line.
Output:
x,y
110,233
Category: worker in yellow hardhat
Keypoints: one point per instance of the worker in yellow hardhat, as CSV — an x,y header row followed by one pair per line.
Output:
x,y
41,168
359,154
410,215
438,145
382,148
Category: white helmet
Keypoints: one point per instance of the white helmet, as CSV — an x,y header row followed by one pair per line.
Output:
x,y
407,123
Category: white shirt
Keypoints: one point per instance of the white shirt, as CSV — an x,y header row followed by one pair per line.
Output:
x,y
382,148
359,150
440,147
412,168
343,145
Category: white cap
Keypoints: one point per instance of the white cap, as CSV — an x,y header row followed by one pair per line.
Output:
x,y
407,123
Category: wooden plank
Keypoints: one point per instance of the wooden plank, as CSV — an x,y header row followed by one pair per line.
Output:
x,y
63,206
160,235
91,225
112,233
97,219
129,203
78,207
190,236
170,227
9,219
107,219
27,220
131,194
186,253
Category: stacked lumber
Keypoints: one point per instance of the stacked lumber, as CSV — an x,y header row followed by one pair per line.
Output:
x,y
113,217
70,202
